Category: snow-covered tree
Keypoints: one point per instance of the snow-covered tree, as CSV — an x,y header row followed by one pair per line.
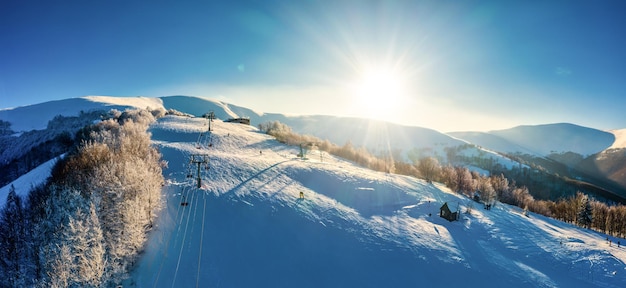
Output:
x,y
83,237
55,250
486,191
450,178
86,227
429,168
465,180
59,270
12,245
501,186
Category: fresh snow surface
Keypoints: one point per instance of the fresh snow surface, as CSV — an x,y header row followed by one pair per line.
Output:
x,y
24,183
198,106
247,227
136,102
620,139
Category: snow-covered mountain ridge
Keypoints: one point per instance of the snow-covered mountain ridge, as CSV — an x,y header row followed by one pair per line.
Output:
x,y
539,139
543,140
378,136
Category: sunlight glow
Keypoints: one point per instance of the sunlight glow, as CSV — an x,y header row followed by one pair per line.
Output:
x,y
379,93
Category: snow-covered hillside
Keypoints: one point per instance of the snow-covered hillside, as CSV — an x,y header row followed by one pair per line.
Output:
x,y
247,227
26,182
373,134
489,141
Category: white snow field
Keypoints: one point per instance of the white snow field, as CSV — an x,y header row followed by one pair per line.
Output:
x,y
246,226
620,139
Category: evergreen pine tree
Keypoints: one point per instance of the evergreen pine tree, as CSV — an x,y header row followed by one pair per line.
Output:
x,y
584,211
12,236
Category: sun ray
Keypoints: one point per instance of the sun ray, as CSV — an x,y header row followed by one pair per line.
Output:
x,y
378,92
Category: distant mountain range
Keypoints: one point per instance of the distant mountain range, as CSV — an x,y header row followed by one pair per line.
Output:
x,y
582,153
542,140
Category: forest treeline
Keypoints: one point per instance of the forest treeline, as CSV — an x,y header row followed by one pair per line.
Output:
x,y
21,152
86,226
578,209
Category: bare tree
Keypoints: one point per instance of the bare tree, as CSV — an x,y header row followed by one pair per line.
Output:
x,y
429,168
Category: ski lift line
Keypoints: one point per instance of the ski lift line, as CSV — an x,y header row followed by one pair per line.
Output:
x,y
195,212
201,240
182,244
185,195
165,252
181,215
199,137
172,235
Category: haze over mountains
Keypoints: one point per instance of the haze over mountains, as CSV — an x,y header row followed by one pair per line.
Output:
x,y
543,140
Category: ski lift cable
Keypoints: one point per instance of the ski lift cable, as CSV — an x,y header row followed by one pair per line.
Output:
x,y
195,210
208,141
167,246
201,239
182,244
199,137
184,194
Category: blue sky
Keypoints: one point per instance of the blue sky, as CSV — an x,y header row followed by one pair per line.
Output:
x,y
461,65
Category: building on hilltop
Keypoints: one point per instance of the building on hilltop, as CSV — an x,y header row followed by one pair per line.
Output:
x,y
239,120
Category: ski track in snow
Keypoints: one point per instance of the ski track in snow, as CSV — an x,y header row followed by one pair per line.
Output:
x,y
355,227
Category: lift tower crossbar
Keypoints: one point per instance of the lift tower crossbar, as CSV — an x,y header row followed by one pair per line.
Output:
x,y
209,116
199,159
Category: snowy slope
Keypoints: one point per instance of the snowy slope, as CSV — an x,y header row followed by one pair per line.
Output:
x,y
620,139
198,106
24,183
246,227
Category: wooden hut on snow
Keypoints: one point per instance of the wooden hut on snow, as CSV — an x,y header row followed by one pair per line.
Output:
x,y
446,213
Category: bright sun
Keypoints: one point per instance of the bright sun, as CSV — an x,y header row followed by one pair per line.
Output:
x,y
378,93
